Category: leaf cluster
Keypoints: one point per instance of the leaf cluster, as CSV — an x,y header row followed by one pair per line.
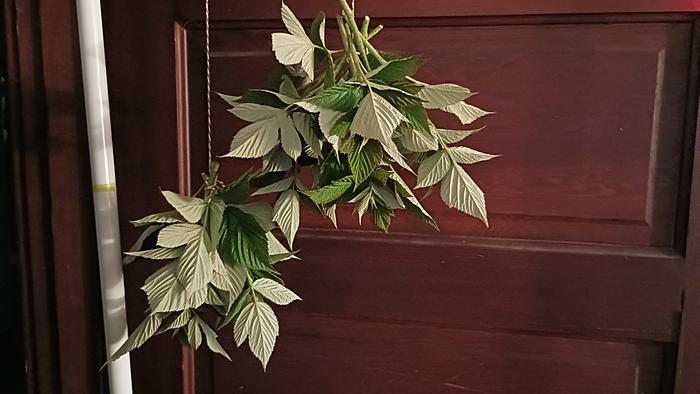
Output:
x,y
361,121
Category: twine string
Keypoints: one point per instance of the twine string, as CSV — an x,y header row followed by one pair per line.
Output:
x,y
208,71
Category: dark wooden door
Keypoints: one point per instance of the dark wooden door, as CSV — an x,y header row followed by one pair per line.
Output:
x,y
584,283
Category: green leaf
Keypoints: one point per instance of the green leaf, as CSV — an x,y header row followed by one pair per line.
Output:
x,y
165,293
158,253
180,321
261,211
276,187
243,241
419,141
341,127
455,136
229,277
294,48
251,112
393,151
332,168
275,292
413,205
395,70
443,95
331,193
235,307
140,240
277,161
376,118
407,86
194,269
141,334
330,74
291,143
263,330
259,138
362,202
317,33
291,22
364,159
417,117
286,214
210,336
396,97
178,234
277,251
282,97
343,97
464,155
458,190
385,197
163,217
230,100
237,192
433,169
215,216
381,216
288,89
241,328
191,208
465,112
263,97
194,334
215,297
304,124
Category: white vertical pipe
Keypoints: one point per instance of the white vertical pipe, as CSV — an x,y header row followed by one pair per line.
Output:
x,y
104,190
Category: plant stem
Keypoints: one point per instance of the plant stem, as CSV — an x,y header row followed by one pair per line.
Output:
x,y
355,30
374,52
374,32
350,50
365,26
357,39
250,284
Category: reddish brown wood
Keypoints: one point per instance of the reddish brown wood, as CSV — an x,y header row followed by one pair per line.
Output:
x,y
688,363
378,357
490,285
141,73
32,213
74,252
60,283
188,370
241,9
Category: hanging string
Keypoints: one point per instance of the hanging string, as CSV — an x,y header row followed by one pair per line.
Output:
x,y
208,65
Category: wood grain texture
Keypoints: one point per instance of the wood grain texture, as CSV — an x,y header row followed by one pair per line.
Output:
x,y
489,286
353,356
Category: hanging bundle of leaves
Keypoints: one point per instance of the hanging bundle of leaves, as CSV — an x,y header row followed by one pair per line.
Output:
x,y
357,117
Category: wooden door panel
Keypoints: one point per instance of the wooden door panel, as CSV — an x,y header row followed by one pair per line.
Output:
x,y
594,292
583,206
577,286
352,356
600,166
